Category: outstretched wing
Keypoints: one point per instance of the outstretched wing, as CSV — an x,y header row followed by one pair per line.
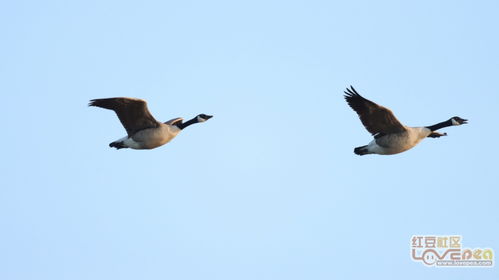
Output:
x,y
377,119
132,112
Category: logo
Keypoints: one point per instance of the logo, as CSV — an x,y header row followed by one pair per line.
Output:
x,y
447,251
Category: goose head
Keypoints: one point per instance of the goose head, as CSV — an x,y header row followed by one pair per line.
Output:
x,y
458,121
203,117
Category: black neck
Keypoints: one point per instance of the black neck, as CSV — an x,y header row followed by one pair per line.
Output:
x,y
187,123
440,125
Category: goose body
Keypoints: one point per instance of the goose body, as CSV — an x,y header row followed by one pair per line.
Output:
x,y
143,131
390,136
150,138
398,142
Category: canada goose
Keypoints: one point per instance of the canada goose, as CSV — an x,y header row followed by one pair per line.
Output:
x,y
144,132
390,136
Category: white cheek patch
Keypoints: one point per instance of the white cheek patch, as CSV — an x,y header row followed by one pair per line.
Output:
x,y
454,122
200,119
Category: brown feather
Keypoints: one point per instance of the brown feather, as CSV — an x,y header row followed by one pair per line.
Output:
x,y
377,119
132,112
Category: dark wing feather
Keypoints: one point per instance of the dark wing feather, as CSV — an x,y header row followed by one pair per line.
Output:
x,y
132,112
377,119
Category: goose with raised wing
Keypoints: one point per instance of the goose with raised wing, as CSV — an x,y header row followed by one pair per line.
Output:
x,y
390,136
143,130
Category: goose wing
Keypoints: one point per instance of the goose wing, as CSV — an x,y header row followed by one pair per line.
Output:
x,y
377,119
132,112
174,121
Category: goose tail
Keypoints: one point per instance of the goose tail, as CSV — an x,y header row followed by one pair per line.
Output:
x,y
117,144
361,150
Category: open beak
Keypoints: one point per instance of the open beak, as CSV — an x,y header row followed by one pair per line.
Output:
x,y
465,121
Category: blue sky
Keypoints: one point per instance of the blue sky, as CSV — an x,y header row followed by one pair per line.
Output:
x,y
269,188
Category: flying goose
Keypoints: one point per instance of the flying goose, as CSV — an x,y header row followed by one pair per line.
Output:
x,y
144,132
390,136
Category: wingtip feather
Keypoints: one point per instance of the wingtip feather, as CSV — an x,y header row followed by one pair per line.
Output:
x,y
91,102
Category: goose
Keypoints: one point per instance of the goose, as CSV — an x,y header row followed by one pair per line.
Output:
x,y
143,130
390,136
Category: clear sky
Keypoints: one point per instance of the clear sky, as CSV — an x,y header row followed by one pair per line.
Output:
x,y
269,188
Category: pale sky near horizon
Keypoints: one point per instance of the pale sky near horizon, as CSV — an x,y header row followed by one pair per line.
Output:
x,y
269,188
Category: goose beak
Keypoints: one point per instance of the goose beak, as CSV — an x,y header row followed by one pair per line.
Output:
x,y
207,117
465,121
